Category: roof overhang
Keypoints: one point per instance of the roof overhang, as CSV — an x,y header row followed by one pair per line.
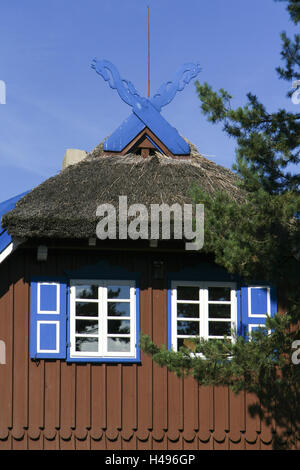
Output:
x,y
6,252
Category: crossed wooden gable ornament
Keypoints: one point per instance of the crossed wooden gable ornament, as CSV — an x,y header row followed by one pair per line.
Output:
x,y
145,127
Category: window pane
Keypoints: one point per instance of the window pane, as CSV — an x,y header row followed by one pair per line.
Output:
x,y
118,292
187,293
89,327
219,293
87,344
219,328
188,328
86,309
219,311
118,309
87,292
118,344
188,310
118,326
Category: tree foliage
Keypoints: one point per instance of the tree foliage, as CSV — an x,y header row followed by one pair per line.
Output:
x,y
256,239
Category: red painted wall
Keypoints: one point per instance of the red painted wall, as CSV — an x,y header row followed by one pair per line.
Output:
x,y
55,405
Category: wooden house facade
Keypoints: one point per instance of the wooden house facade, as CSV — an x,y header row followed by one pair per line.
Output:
x,y
57,404
72,306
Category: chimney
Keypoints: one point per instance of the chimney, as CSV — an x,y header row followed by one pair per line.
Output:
x,y
73,156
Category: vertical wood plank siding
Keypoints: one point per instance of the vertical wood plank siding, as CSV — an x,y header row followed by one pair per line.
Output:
x,y
52,404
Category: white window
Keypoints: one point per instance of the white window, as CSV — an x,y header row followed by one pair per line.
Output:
x,y
102,319
206,309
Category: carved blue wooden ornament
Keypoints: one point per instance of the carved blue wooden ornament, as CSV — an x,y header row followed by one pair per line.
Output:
x,y
146,112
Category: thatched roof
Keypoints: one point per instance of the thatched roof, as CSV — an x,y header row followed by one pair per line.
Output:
x,y
64,206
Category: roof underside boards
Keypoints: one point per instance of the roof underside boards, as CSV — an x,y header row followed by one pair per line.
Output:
x,y
6,206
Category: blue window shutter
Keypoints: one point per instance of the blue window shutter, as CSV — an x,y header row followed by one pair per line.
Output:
x,y
255,304
48,319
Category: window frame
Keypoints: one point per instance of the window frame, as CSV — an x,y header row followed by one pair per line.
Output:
x,y
103,355
204,306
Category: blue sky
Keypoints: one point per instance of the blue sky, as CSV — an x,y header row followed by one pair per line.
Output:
x,y
56,101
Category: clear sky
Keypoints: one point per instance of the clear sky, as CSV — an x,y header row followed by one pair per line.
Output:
x,y
56,101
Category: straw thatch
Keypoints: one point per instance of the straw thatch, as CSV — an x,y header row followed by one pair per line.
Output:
x,y
64,206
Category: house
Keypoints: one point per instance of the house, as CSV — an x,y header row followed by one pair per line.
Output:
x,y
72,305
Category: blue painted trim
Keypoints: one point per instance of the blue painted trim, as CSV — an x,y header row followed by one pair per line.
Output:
x,y
57,317
58,279
274,301
239,325
104,360
202,272
244,311
125,88
48,337
48,299
169,314
138,321
146,110
102,271
167,134
259,300
153,143
7,206
33,322
151,118
245,319
130,95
